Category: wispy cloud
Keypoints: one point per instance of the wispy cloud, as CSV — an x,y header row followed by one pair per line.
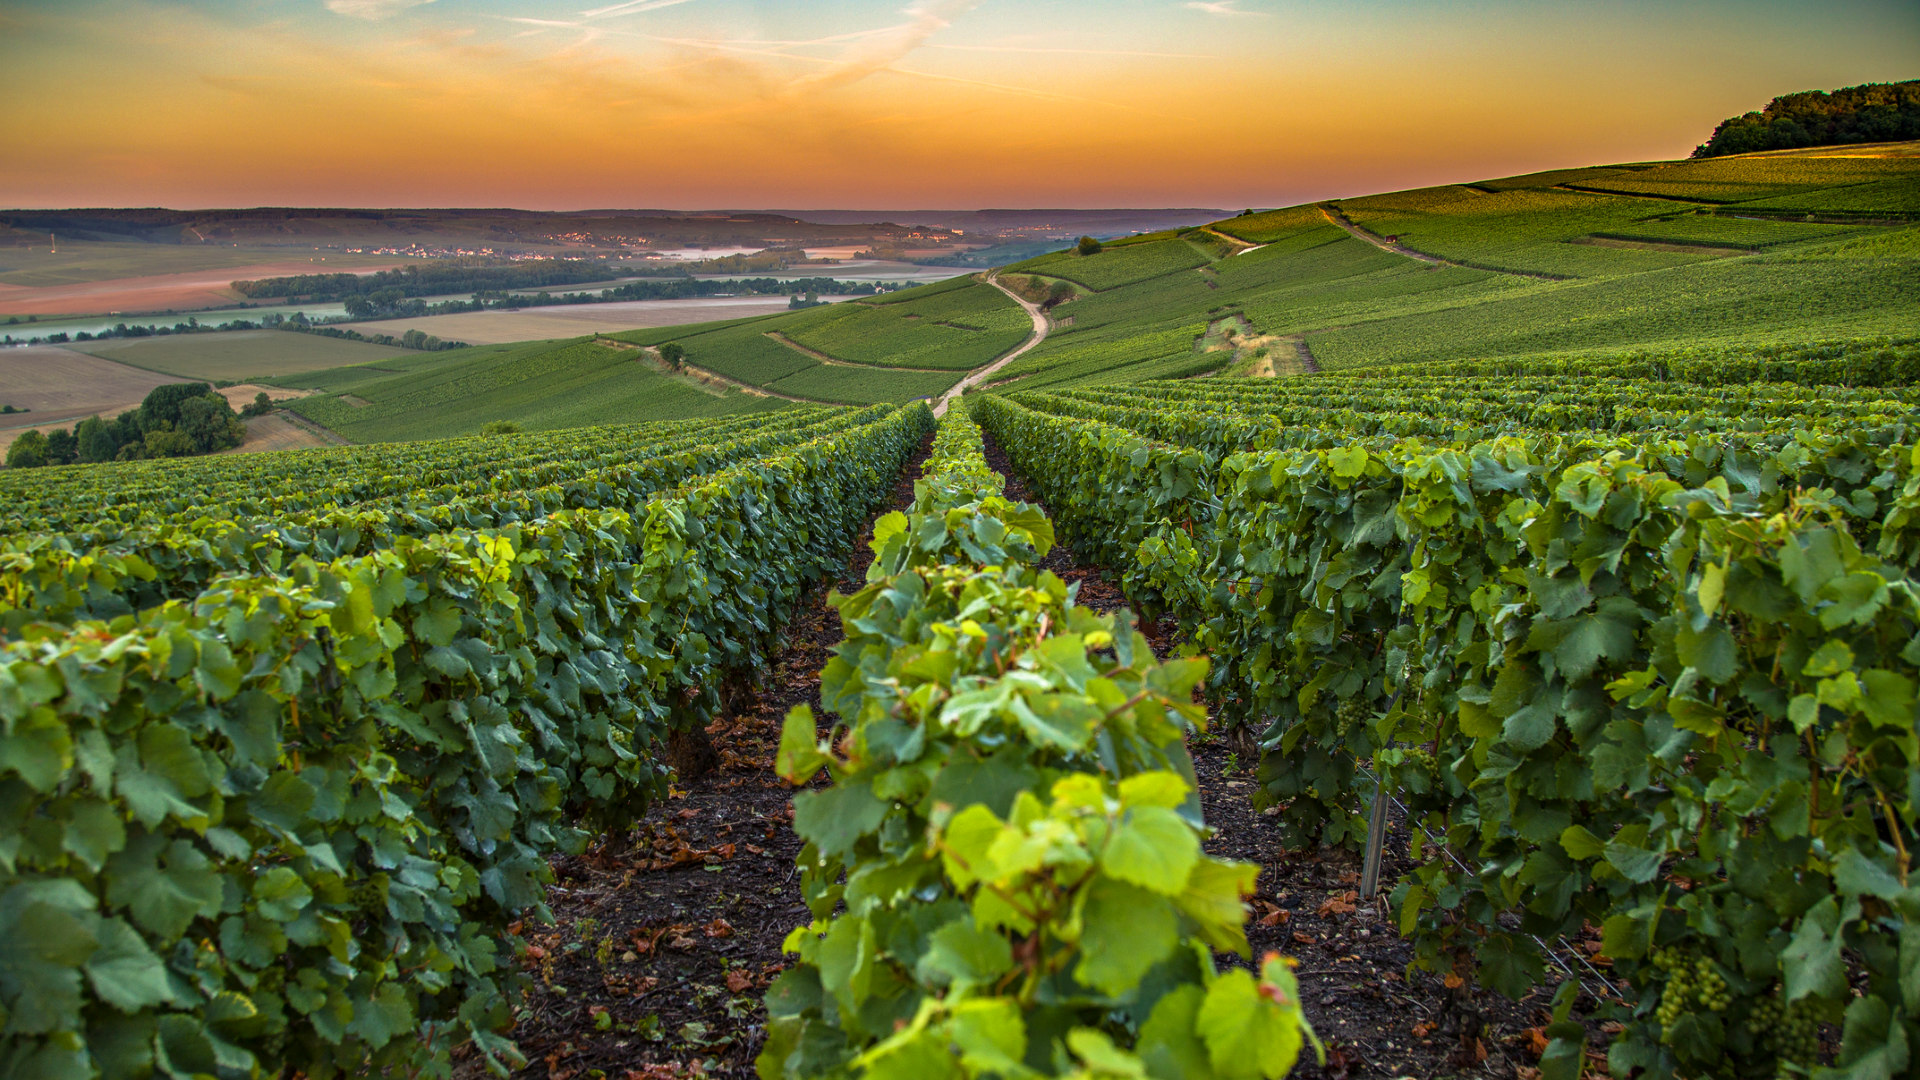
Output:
x,y
629,7
1220,7
372,9
877,52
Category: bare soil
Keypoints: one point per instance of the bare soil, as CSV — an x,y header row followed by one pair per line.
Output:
x,y
157,292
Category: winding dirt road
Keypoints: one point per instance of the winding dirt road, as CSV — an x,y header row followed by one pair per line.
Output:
x,y
979,375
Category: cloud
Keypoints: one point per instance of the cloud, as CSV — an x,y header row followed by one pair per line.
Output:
x,y
877,52
372,9
1219,7
629,7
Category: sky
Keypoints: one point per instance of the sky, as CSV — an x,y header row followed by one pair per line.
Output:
x,y
884,104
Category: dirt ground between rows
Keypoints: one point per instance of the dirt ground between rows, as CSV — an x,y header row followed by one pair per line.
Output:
x,y
665,939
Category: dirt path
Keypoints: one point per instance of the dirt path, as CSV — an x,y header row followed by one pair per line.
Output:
x,y
978,376
1240,247
816,354
698,374
1336,217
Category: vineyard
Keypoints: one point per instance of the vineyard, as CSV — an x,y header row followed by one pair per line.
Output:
x,y
1636,655
283,770
1571,598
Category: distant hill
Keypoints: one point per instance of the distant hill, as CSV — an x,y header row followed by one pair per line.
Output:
x,y
1869,113
497,229
1059,221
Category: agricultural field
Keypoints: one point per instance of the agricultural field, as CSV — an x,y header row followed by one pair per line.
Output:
x,y
910,344
571,320
85,278
1657,533
1120,264
237,355
1519,266
953,330
1529,653
539,386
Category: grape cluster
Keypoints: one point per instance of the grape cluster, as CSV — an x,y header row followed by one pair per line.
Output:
x,y
1352,712
1692,983
1420,760
1790,1032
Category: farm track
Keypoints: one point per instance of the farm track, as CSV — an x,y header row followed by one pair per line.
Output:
x,y
834,361
706,375
1040,327
1359,232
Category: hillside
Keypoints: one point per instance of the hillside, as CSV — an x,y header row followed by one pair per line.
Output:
x,y
1755,250
539,386
1731,253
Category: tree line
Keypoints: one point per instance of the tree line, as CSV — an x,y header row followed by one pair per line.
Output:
x,y
437,278
298,322
175,420
1870,112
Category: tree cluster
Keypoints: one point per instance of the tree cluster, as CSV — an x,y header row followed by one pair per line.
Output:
x,y
175,420
437,278
1871,112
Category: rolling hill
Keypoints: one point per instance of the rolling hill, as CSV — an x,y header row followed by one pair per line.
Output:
x,y
1760,250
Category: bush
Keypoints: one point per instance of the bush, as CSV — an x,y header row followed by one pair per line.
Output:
x,y
1088,246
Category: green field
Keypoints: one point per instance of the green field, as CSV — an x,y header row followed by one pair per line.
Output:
x,y
539,385
953,330
1566,262
1540,268
237,355
910,344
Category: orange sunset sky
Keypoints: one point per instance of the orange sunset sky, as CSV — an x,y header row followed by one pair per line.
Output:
x,y
948,103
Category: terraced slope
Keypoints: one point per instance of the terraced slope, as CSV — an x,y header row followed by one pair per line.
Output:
x,y
1762,249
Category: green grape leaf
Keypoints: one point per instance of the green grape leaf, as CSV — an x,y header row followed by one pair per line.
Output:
x,y
1126,930
1153,848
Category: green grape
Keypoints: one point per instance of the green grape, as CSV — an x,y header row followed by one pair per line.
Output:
x,y
1351,712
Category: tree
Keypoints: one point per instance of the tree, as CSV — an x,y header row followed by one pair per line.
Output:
x,y
1088,246
208,424
674,354
260,406
1871,112
62,447
29,451
96,439
1059,293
